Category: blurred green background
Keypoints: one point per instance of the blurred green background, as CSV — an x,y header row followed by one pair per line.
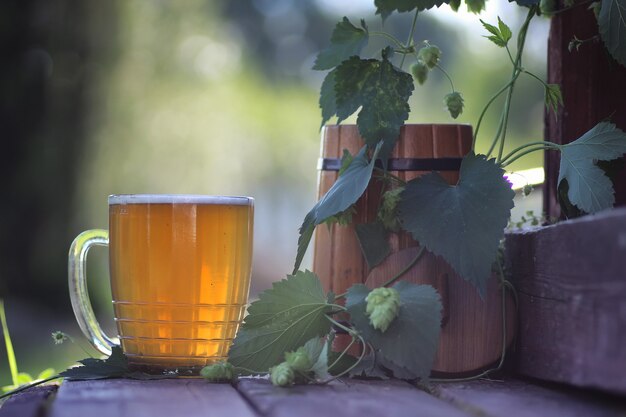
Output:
x,y
203,97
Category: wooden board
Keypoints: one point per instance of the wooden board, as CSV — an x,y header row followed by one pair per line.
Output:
x,y
346,398
30,403
571,282
160,398
515,398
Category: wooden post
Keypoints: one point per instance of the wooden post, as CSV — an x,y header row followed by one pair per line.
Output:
x,y
593,87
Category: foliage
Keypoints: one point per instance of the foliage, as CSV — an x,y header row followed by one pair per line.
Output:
x,y
499,35
476,211
378,89
283,319
589,189
417,325
373,241
612,25
18,379
463,223
378,319
347,40
343,194
386,7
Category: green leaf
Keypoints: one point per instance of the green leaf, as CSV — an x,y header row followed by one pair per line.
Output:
x,y
475,6
553,98
463,223
327,97
386,7
23,378
114,366
9,345
411,340
505,31
343,219
373,241
369,367
612,27
498,38
46,373
317,350
283,319
381,91
347,40
344,193
589,189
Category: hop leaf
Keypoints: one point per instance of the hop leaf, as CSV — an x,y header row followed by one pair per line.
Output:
x,y
429,55
500,35
299,360
387,211
220,371
282,375
382,307
454,103
343,218
475,6
553,98
420,72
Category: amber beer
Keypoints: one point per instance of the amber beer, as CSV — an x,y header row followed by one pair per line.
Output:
x,y
180,275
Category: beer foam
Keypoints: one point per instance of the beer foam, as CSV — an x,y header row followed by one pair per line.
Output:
x,y
179,199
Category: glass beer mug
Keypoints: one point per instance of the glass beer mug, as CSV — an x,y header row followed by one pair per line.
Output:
x,y
180,275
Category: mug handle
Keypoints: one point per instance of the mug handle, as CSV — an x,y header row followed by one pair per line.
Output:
x,y
78,288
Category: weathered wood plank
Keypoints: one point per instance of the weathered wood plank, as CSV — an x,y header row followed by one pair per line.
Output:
x,y
515,398
29,403
571,282
347,398
161,398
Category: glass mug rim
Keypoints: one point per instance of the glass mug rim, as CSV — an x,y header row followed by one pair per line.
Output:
x,y
115,199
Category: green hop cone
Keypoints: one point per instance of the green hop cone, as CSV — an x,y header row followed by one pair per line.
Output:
x,y
454,103
527,190
387,212
220,371
382,308
420,72
429,55
299,360
282,375
455,4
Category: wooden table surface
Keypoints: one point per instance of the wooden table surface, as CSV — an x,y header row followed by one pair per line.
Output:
x,y
252,397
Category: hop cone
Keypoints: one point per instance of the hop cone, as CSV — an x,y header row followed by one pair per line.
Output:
x,y
420,72
282,375
299,360
387,212
382,308
429,55
454,104
221,371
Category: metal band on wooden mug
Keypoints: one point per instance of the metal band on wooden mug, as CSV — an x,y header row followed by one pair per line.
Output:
x,y
401,164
